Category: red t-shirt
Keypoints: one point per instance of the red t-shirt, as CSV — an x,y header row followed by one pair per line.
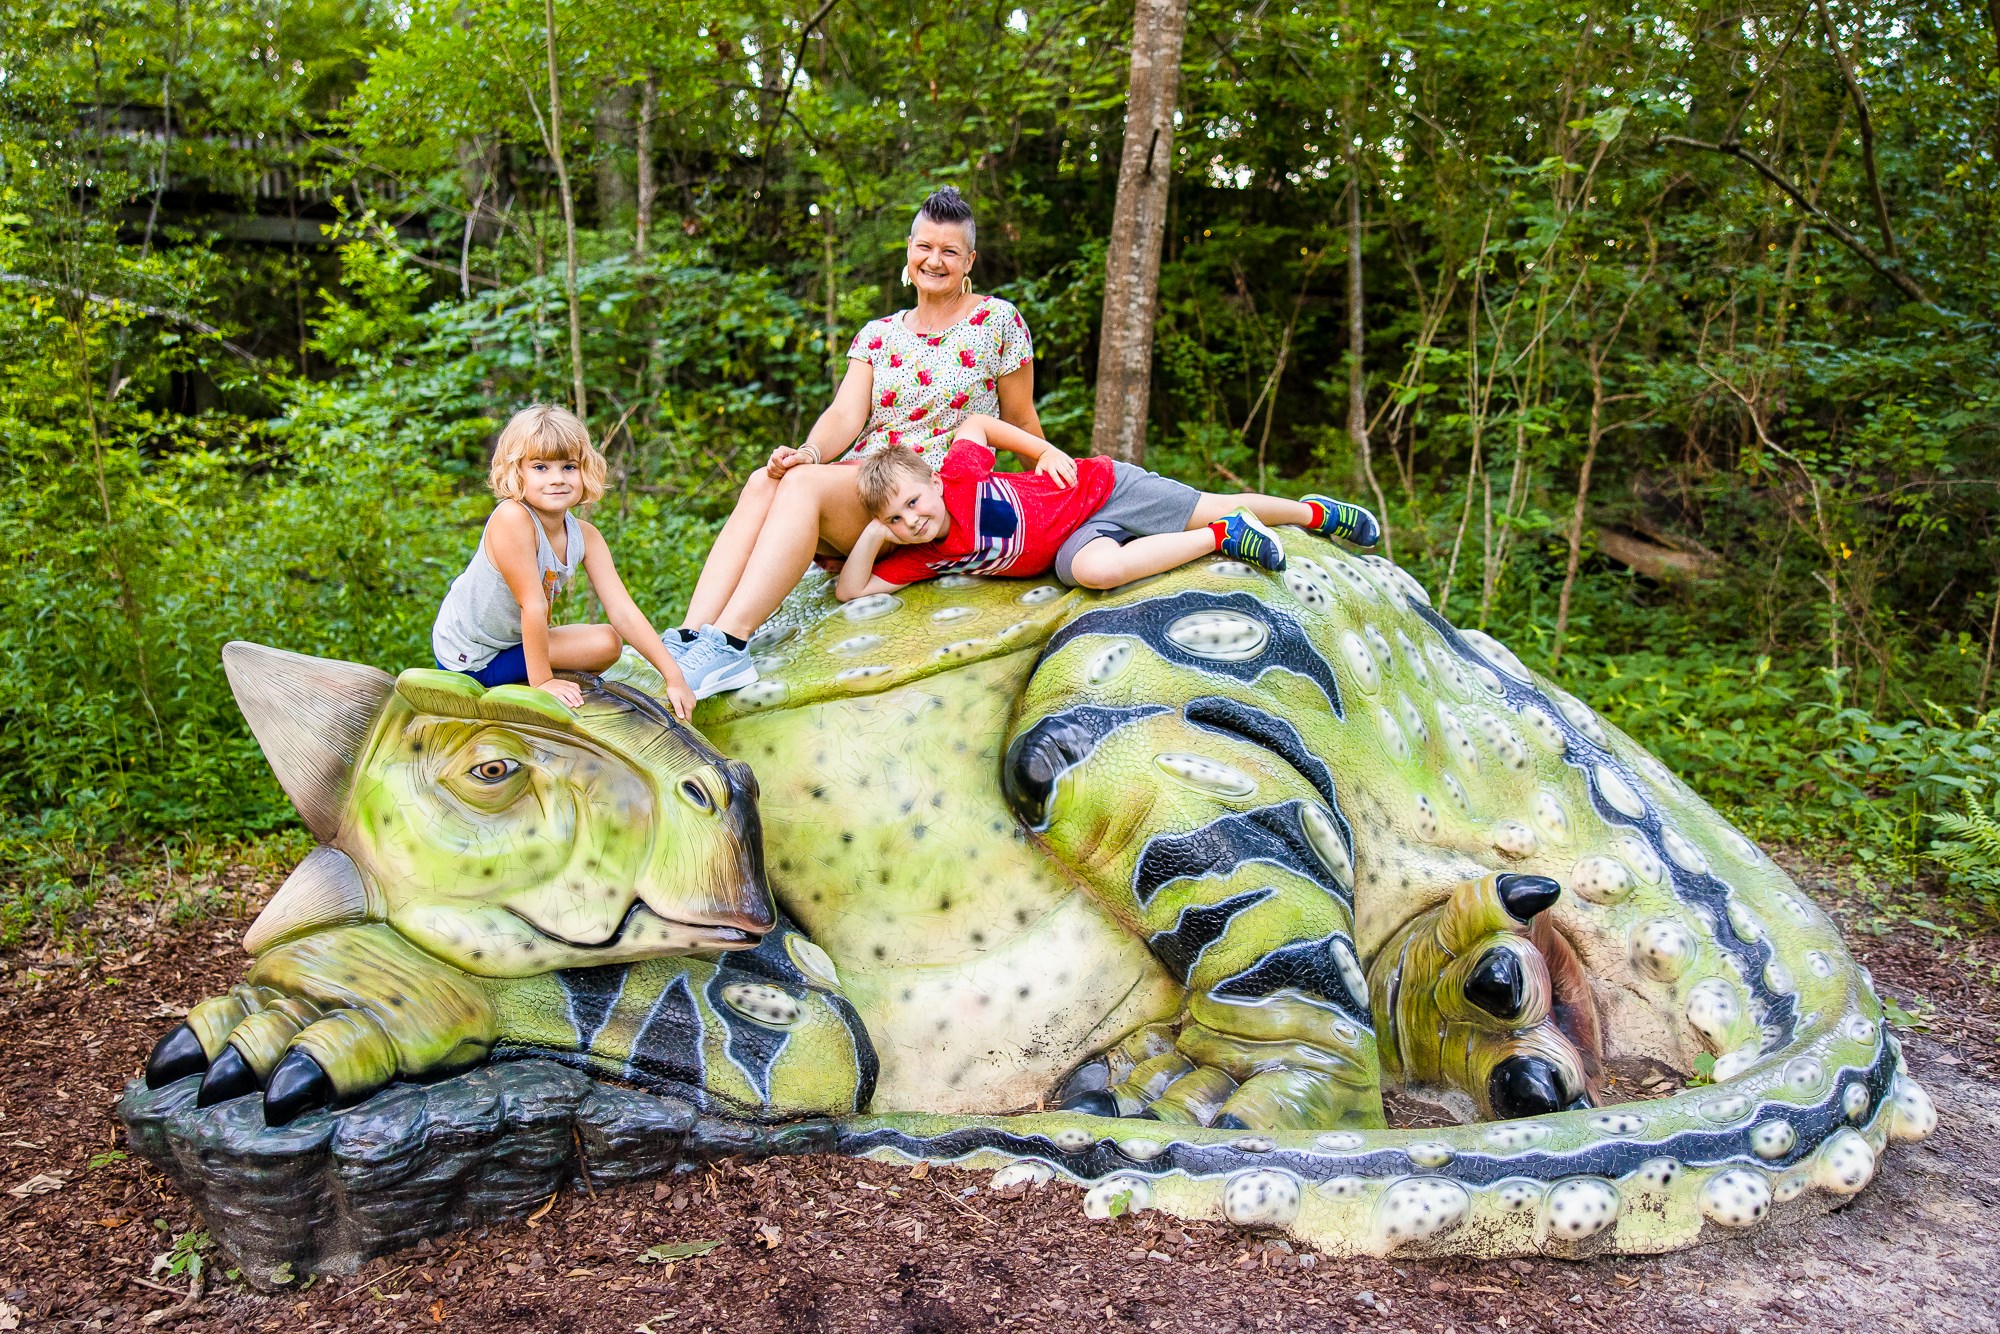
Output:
x,y
1001,522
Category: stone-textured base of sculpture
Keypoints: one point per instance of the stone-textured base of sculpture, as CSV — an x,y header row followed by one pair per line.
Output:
x,y
328,1192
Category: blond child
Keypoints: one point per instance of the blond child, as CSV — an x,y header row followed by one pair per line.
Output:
x,y
494,624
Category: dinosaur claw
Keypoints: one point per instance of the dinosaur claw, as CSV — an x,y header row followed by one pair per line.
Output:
x,y
175,1056
1496,984
1230,1121
297,1086
1525,1086
1526,895
229,1077
1094,1102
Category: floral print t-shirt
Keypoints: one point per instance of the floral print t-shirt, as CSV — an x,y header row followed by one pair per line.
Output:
x,y
927,385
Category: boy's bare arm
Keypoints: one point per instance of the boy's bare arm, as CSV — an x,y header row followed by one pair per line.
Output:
x,y
1046,458
857,577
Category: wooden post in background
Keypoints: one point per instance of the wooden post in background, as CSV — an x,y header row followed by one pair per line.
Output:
x,y
1138,226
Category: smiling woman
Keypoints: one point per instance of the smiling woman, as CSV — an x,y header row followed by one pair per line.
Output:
x,y
912,378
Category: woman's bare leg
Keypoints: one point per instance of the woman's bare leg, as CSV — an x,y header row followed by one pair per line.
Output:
x,y
814,502
583,648
731,552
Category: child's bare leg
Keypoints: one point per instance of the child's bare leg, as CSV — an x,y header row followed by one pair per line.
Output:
x,y
1273,510
583,648
731,551
1104,563
813,502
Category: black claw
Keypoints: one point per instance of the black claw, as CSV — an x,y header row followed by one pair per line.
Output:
x,y
1582,1103
1145,1114
1525,1086
229,1077
1090,1077
297,1086
1231,1121
1526,895
1496,984
1095,1102
175,1056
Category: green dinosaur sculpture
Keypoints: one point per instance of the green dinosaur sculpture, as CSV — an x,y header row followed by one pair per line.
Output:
x,y
1208,863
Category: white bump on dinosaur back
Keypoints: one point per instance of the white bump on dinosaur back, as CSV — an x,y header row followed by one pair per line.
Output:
x,y
1039,594
1019,1178
1801,911
813,961
1402,580
1393,739
1449,672
1713,1010
1253,1144
1488,679
1743,846
1517,1195
759,695
1221,636
1496,653
1354,579
1427,819
1342,1188
1618,1124
1911,1113
1658,1173
1550,815
1855,1102
761,1003
1015,629
1420,1207
770,664
1108,663
1580,717
1361,662
1859,1028
1844,1164
1072,1139
1429,1153
1379,642
946,615
1654,772
1118,1195
1600,879
1724,1108
1231,569
1744,922
1735,1198
1645,863
1733,1063
1351,975
959,581
1778,979
1773,1139
1206,775
870,607
1618,793
1821,965
1456,741
1789,1186
1511,838
1306,589
1141,1150
1805,1075
1416,659
1324,837
958,650
1663,948
1582,1207
855,675
1513,1136
1681,852
1543,729
1413,719
1263,1198
769,637
1456,790
1512,751
1340,1141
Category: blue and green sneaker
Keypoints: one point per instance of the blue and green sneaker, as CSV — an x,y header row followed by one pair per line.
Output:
x,y
1242,536
1350,523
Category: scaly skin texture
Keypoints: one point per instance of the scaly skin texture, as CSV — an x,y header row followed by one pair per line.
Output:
x,y
1210,860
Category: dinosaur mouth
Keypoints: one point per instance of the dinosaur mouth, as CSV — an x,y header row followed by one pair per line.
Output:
x,y
642,924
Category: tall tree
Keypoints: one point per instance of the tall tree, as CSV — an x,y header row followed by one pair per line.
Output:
x,y
1138,226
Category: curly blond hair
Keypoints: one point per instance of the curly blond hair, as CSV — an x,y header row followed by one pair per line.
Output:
x,y
884,471
544,431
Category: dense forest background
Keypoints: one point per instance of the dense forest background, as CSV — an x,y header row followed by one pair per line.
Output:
x,y
1679,356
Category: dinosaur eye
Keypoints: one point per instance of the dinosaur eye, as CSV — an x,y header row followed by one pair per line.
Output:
x,y
697,795
494,771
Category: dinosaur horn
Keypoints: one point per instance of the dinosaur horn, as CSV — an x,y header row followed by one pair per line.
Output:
x,y
324,891
312,716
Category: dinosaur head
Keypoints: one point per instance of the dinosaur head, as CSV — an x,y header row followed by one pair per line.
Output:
x,y
497,829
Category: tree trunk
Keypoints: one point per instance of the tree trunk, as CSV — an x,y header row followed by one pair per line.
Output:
x,y
649,183
613,114
555,136
1357,345
1138,226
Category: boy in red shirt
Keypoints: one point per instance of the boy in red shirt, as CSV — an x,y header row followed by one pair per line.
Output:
x,y
1096,522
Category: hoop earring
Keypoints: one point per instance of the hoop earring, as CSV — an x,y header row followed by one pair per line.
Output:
x,y
906,276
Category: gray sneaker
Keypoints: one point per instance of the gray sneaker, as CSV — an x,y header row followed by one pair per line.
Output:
x,y
711,666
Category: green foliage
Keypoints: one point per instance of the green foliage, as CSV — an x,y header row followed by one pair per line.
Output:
x,y
1968,847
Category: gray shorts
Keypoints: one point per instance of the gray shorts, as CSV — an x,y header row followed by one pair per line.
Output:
x,y
1141,504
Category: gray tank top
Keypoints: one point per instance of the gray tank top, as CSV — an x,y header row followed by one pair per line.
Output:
x,y
479,618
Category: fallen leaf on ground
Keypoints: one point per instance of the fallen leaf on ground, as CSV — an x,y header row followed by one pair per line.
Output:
x,y
769,1236
676,1250
39,1184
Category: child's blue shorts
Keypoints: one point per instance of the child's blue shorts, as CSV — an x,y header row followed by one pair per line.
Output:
x,y
508,668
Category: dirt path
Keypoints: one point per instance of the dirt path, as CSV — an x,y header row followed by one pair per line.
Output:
x,y
832,1244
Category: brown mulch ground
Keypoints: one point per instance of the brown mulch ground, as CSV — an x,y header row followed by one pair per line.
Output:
x,y
833,1244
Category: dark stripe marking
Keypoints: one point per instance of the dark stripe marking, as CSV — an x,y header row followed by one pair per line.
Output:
x,y
668,1046
750,1046
1259,727
1270,834
1306,965
1039,757
592,994
1198,927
